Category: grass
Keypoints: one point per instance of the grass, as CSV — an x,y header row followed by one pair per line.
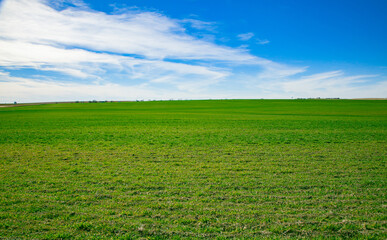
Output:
x,y
194,169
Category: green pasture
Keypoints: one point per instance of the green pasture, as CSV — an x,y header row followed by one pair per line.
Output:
x,y
220,169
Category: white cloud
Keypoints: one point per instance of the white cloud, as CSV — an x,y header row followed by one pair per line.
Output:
x,y
327,85
263,41
273,71
83,64
18,53
148,34
245,36
250,35
33,90
133,53
64,3
86,44
201,25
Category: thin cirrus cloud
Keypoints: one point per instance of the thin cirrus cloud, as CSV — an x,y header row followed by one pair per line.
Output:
x,y
79,53
245,36
263,41
330,84
36,90
200,25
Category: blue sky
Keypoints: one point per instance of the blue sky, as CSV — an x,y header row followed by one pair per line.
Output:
x,y
70,50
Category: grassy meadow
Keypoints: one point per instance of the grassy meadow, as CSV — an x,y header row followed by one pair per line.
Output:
x,y
220,169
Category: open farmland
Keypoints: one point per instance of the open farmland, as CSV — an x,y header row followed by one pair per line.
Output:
x,y
194,169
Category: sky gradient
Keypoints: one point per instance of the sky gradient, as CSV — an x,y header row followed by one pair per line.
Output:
x,y
73,50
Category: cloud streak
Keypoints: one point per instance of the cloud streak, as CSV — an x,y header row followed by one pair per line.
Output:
x,y
332,84
263,41
36,90
245,36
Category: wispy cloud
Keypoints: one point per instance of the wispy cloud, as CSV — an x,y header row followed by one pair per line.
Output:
x,y
245,36
327,83
248,36
37,90
330,84
65,3
273,71
201,25
147,34
127,53
263,41
81,42
86,44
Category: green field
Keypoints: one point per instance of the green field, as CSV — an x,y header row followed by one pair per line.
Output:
x,y
194,169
